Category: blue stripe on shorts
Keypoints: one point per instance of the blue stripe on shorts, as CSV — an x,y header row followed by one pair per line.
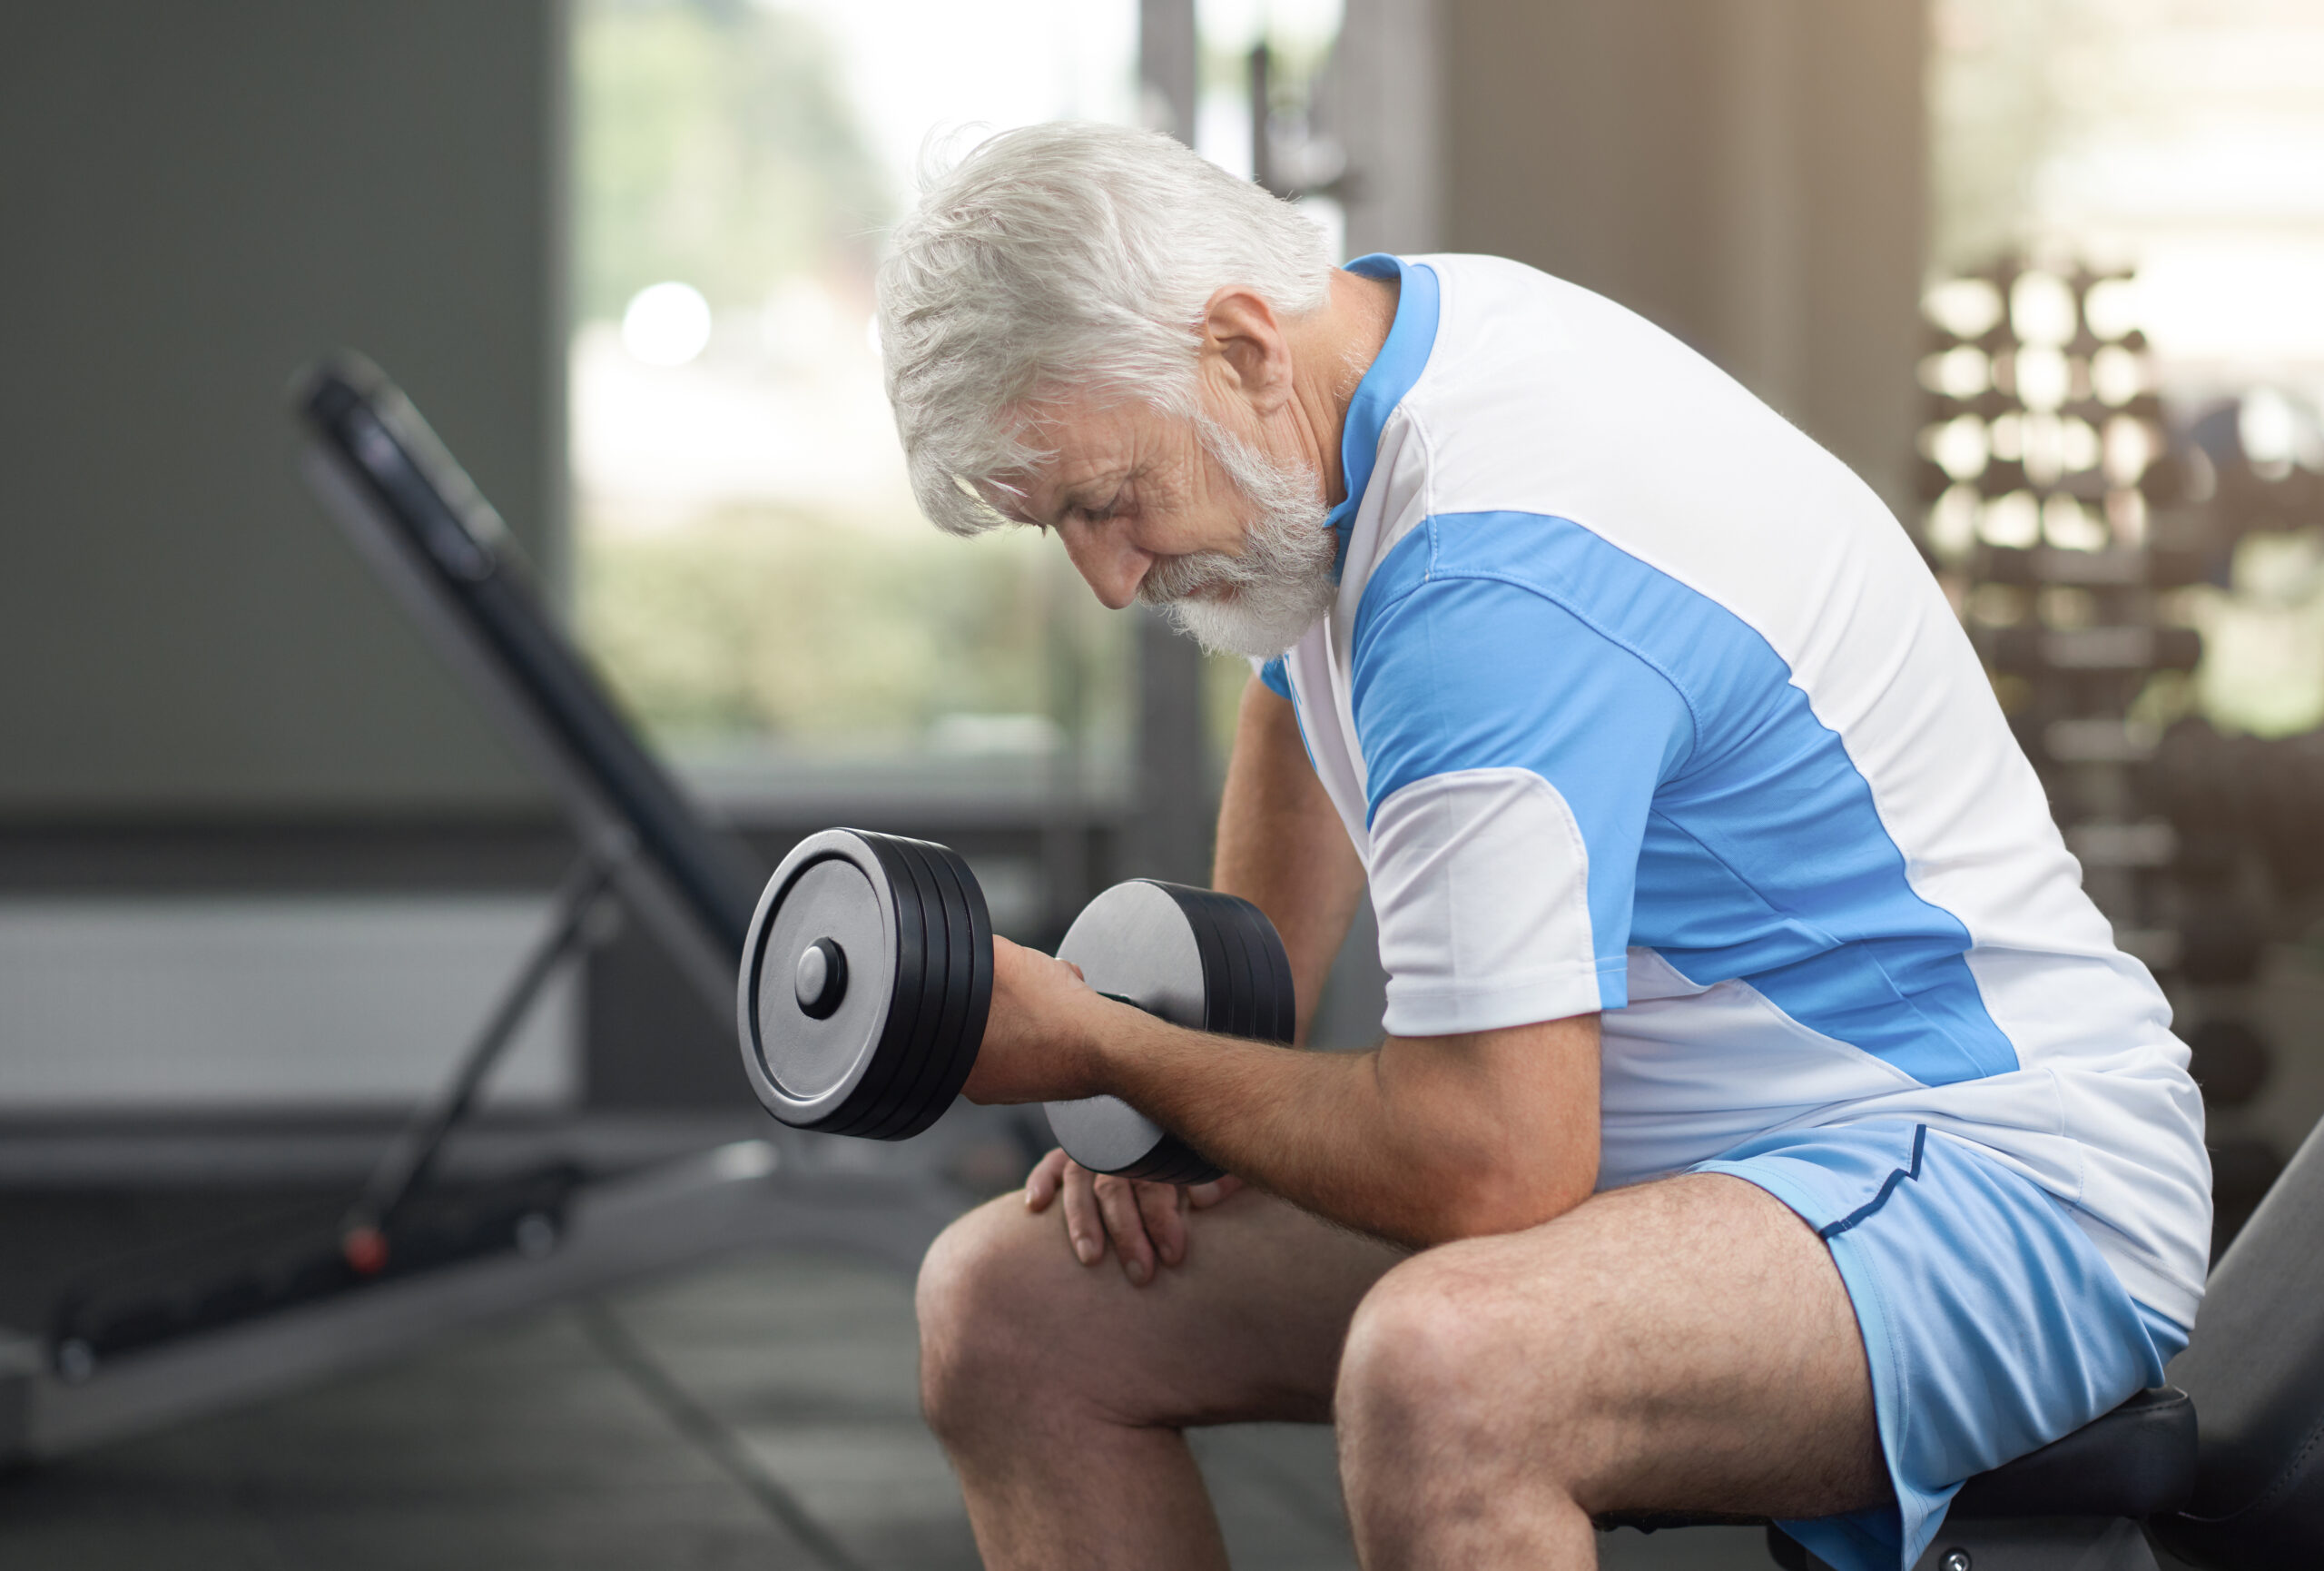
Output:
x,y
1991,1323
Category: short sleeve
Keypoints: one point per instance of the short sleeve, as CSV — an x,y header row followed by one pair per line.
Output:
x,y
1513,752
1273,674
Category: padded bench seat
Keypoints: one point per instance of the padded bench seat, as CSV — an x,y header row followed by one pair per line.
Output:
x,y
2137,1461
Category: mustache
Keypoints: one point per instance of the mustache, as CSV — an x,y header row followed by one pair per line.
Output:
x,y
1198,574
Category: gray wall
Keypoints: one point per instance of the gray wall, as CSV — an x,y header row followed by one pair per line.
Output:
x,y
1747,173
194,200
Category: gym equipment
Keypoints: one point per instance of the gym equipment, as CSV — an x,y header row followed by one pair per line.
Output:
x,y
865,981
411,512
1194,957
2052,475
2044,650
867,977
409,509
2116,567
2248,813
414,515
2255,1371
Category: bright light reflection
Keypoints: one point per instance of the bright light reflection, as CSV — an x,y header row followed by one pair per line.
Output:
x,y
2043,378
666,324
2268,427
1965,307
2042,310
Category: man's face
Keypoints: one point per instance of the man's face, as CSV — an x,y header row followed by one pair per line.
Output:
x,y
1224,536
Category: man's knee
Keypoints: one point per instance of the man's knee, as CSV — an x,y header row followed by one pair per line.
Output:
x,y
981,1316
1432,1361
1420,1358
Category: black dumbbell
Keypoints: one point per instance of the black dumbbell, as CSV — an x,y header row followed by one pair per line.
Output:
x,y
867,977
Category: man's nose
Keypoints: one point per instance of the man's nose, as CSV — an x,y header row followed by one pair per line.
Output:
x,y
1110,565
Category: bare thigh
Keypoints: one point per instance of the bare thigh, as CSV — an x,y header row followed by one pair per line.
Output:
x,y
1684,1345
1249,1327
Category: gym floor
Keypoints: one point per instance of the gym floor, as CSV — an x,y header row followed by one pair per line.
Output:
x,y
758,1412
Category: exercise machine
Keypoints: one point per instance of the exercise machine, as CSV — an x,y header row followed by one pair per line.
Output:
x,y
159,1338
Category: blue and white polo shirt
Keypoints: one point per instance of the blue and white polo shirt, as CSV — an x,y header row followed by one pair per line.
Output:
x,y
1636,700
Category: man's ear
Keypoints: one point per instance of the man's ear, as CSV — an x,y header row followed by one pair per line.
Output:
x,y
1245,347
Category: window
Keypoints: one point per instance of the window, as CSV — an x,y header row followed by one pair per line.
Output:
x,y
752,571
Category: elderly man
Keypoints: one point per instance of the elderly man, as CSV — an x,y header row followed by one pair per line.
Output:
x,y
1766,1124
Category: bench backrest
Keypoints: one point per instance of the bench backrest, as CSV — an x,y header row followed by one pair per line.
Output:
x,y
415,516
2255,1369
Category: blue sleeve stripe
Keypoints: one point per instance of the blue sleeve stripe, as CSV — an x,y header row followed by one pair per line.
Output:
x,y
1517,640
1477,671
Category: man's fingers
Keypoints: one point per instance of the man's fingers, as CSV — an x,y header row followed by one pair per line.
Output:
x,y
1147,1223
1117,1203
1047,1178
1202,1197
1084,1229
1164,1208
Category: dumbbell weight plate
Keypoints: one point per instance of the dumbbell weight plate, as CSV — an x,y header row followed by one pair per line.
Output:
x,y
1194,957
865,983
943,1049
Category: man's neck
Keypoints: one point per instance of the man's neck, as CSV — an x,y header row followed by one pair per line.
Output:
x,y
1333,348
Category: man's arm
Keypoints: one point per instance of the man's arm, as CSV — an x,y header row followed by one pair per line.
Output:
x,y
1282,847
1281,844
1422,1141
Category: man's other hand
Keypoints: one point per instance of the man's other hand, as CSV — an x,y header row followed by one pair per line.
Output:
x,y
1147,1223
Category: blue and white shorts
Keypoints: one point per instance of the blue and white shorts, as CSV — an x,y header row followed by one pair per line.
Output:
x,y
1991,1323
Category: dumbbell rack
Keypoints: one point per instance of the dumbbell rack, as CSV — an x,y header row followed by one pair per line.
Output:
x,y
2248,814
2062,515
2055,519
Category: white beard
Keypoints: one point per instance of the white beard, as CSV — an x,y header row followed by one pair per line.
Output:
x,y
1263,600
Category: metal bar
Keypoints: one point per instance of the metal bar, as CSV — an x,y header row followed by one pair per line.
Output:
x,y
406,1161
1170,836
691,1209
1262,106
1169,65
1169,831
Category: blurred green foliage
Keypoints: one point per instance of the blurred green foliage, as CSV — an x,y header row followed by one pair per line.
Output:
x,y
713,147
812,630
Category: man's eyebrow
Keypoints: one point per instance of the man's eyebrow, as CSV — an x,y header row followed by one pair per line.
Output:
x,y
1068,495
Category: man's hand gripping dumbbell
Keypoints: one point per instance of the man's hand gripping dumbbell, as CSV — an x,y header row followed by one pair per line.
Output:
x,y
875,990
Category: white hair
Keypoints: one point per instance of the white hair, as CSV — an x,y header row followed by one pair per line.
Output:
x,y
1065,260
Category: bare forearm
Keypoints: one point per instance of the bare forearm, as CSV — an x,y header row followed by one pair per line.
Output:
x,y
1420,1141
1281,844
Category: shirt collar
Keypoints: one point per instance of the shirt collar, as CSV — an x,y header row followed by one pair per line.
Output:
x,y
1393,371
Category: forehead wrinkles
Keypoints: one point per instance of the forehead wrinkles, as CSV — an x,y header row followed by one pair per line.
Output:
x,y
1081,422
1081,442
